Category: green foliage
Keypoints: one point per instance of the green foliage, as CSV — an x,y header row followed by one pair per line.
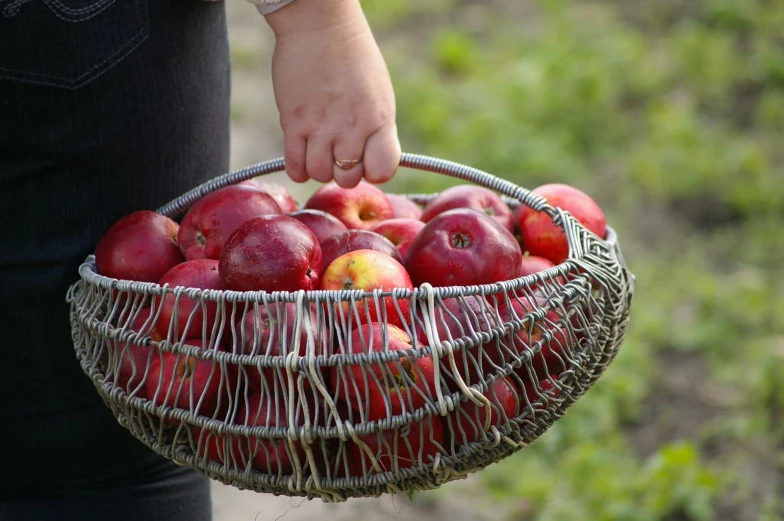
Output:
x,y
671,115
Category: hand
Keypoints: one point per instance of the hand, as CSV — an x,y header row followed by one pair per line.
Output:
x,y
333,92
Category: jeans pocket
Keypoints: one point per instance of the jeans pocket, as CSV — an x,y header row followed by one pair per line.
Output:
x,y
68,43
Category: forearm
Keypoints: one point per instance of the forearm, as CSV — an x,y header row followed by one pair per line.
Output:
x,y
316,15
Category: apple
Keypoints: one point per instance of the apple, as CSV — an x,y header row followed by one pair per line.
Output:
x,y
463,247
199,273
208,224
352,240
278,192
271,253
405,383
370,270
541,236
271,456
535,395
186,382
400,231
322,224
470,196
134,359
358,208
270,331
408,446
533,264
404,207
468,420
141,246
460,318
551,356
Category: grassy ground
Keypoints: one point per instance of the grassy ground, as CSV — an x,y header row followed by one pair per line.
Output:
x,y
671,114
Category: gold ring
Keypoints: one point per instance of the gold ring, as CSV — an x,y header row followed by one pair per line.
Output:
x,y
347,164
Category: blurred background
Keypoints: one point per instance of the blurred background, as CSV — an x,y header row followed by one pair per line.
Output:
x,y
670,113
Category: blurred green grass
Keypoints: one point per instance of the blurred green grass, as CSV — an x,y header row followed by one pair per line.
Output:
x,y
671,115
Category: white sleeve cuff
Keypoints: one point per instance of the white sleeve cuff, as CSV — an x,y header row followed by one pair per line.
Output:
x,y
267,7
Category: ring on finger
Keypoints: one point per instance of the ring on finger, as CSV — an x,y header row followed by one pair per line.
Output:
x,y
347,164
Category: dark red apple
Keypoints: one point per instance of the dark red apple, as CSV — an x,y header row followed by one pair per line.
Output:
x,y
404,207
186,382
270,331
370,270
405,383
546,392
322,224
278,192
400,232
271,253
469,420
394,449
463,247
141,246
475,197
352,240
202,274
135,359
541,236
358,208
208,224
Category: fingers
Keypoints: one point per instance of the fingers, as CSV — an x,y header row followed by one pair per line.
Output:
x,y
319,159
349,147
382,154
294,157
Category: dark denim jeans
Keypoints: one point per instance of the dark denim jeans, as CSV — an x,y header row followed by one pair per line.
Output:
x,y
106,107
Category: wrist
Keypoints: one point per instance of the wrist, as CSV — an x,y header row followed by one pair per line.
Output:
x,y
302,16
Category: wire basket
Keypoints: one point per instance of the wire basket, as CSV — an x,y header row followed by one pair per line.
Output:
x,y
298,394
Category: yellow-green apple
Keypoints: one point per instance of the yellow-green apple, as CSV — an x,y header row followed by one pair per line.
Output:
x,y
463,247
541,236
470,196
271,253
358,208
352,240
401,385
208,224
141,246
369,270
322,224
400,231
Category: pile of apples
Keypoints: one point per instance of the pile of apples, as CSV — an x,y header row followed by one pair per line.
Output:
x,y
253,236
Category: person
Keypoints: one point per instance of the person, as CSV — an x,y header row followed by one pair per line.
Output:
x,y
112,106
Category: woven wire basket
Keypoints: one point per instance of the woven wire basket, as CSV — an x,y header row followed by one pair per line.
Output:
x,y
320,405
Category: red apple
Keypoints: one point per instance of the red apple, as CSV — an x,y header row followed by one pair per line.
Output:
x,y
405,383
535,395
469,420
461,318
352,240
358,208
208,224
532,264
470,196
322,224
270,331
370,270
135,359
551,356
541,236
463,247
278,192
141,246
186,382
404,207
202,274
271,456
271,253
400,231
405,447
